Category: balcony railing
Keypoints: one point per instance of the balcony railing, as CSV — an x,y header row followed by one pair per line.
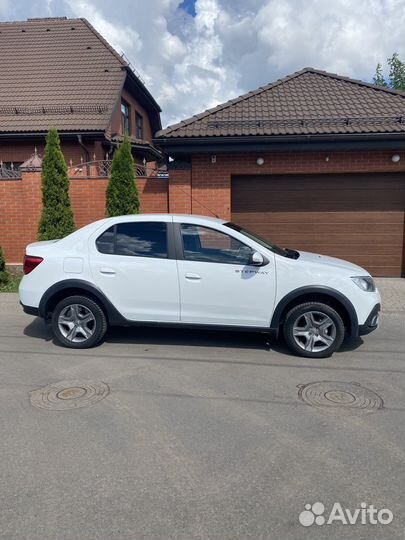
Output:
x,y
102,169
9,173
90,169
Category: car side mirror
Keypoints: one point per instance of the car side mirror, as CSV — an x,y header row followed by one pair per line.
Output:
x,y
257,259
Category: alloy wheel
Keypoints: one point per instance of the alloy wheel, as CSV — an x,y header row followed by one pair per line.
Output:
x,y
314,331
76,323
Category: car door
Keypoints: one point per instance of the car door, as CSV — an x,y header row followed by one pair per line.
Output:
x,y
218,283
133,264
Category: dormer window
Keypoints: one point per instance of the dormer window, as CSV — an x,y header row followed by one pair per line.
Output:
x,y
125,118
139,125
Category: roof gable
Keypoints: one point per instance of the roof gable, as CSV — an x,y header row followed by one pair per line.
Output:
x,y
58,72
307,102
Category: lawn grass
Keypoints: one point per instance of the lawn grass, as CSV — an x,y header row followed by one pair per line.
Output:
x,y
11,285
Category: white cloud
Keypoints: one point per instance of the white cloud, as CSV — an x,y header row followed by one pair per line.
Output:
x,y
121,37
232,46
5,6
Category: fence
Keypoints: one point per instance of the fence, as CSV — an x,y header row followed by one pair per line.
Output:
x,y
102,169
9,173
21,200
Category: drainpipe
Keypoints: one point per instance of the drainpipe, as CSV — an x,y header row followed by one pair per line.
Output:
x,y
87,154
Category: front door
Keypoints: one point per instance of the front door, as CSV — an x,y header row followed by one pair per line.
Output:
x,y
218,285
131,264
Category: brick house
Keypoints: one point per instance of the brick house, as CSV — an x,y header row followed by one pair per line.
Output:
x,y
61,73
314,161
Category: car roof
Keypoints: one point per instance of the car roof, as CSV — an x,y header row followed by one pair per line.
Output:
x,y
192,218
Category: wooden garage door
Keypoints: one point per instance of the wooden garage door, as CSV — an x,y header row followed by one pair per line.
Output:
x,y
357,217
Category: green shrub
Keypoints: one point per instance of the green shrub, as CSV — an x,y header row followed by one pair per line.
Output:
x,y
122,193
2,261
10,284
57,216
4,276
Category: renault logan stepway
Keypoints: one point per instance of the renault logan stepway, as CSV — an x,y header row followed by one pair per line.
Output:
x,y
193,271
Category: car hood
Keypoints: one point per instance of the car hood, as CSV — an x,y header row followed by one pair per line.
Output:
x,y
314,258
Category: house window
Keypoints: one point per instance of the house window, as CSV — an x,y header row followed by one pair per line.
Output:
x,y
139,126
125,118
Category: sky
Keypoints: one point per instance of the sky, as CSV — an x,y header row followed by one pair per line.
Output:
x,y
194,54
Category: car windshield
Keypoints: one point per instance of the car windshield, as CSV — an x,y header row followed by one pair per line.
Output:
x,y
272,247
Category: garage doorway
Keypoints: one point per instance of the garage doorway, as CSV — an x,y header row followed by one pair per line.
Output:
x,y
357,217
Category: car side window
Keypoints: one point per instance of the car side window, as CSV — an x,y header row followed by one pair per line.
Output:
x,y
136,239
105,242
209,245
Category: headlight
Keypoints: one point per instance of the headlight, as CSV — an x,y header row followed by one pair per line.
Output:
x,y
366,283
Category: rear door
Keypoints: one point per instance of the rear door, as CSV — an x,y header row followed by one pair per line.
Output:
x,y
218,285
133,264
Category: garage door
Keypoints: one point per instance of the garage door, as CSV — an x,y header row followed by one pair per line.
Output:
x,y
359,217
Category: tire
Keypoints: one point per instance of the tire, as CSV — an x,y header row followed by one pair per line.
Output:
x,y
313,330
78,322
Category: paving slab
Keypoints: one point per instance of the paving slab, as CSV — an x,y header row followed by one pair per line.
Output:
x,y
392,292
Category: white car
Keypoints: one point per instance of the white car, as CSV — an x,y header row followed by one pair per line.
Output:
x,y
193,271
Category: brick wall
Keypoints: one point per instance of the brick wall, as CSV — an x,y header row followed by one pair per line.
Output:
x,y
180,201
135,106
20,207
204,188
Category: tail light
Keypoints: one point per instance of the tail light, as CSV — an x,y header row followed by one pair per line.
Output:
x,y
30,263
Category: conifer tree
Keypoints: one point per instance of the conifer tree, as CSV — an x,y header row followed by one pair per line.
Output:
x,y
122,194
57,216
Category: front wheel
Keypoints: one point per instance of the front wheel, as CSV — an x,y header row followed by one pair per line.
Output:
x,y
313,330
78,322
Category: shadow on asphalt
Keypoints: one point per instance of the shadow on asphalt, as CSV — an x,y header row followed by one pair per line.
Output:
x,y
197,338
186,337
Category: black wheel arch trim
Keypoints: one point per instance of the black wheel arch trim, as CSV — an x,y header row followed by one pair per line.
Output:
x,y
113,315
328,291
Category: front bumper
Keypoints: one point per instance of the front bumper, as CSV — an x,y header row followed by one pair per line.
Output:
x,y
372,321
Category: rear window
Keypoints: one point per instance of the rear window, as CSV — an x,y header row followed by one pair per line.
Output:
x,y
105,242
143,239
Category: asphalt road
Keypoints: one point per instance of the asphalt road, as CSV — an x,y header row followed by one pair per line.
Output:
x,y
203,436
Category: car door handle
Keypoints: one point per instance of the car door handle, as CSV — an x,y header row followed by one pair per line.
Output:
x,y
193,277
107,271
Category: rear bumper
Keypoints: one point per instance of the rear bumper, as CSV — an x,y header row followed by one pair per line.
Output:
x,y
372,321
30,310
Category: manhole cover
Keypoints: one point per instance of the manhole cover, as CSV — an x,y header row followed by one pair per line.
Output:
x,y
339,394
65,395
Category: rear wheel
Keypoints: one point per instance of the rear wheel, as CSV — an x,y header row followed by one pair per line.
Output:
x,y
314,330
78,322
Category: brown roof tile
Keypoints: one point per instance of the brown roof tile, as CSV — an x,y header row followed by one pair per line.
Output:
x,y
57,72
307,102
